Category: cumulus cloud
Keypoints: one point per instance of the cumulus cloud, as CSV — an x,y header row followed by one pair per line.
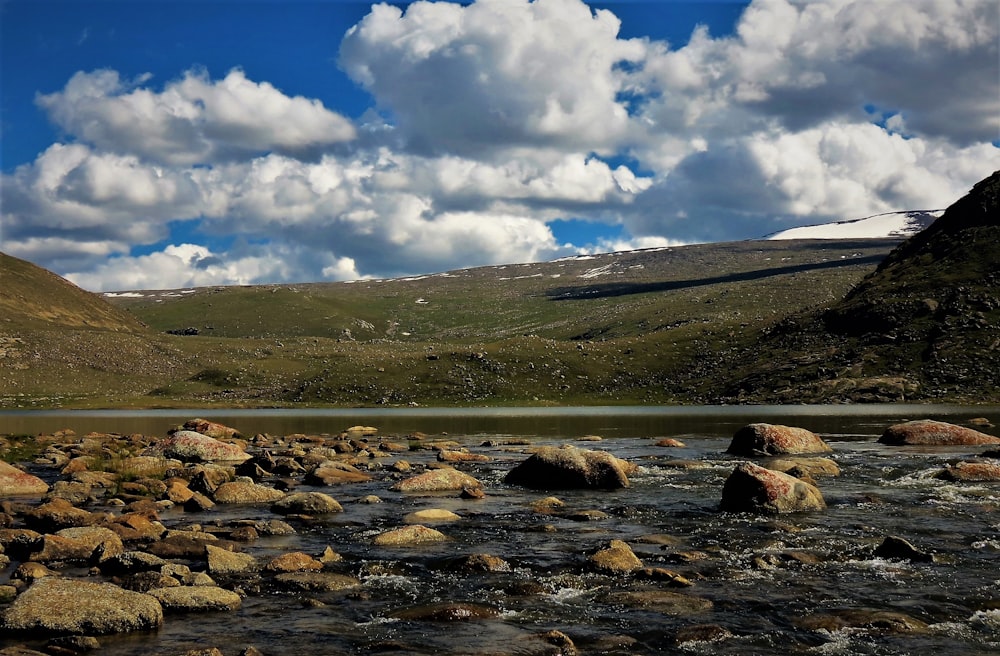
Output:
x,y
193,119
495,119
494,74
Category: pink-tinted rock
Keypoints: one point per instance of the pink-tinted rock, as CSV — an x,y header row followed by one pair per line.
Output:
x,y
438,480
752,488
928,432
14,482
190,446
552,468
775,439
971,472
211,429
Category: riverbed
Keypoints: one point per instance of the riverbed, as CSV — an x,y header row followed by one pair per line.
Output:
x,y
792,584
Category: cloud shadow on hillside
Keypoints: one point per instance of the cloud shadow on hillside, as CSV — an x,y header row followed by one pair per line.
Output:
x,y
607,290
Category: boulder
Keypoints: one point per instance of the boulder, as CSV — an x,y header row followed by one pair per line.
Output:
x,y
189,446
616,557
896,548
861,618
246,492
331,472
211,429
431,515
445,612
671,442
437,480
568,467
971,472
409,535
928,432
775,439
317,581
752,488
58,514
295,561
444,455
14,482
223,561
57,606
307,503
798,467
196,598
661,601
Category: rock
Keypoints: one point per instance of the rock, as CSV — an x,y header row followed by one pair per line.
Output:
x,y
198,502
547,505
562,642
332,472
56,606
886,621
934,433
971,472
409,535
189,446
58,514
670,443
431,515
355,432
31,572
616,557
132,562
445,612
190,547
307,503
317,581
774,439
211,429
479,562
799,467
246,492
896,548
702,633
14,482
670,577
437,480
196,598
752,488
295,561
552,468
661,601
74,644
445,455
223,561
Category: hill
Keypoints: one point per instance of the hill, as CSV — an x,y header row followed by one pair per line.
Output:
x,y
924,325
59,343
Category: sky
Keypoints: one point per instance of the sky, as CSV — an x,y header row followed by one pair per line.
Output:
x,y
155,144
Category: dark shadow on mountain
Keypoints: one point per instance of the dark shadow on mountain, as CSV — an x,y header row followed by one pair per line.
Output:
x,y
624,289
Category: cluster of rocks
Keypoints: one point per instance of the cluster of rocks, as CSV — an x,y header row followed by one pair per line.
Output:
x,y
140,570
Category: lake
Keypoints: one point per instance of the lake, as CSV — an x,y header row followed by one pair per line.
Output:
x,y
792,584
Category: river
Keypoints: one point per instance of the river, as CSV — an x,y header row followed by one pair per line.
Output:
x,y
761,585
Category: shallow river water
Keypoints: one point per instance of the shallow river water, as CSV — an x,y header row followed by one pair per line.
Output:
x,y
760,584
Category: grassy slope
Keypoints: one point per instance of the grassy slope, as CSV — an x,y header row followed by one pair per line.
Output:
x,y
617,328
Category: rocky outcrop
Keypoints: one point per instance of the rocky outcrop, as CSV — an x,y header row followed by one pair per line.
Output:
x,y
57,606
774,439
189,446
552,468
14,482
752,488
927,432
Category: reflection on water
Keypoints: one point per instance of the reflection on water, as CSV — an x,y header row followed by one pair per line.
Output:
x,y
609,421
761,585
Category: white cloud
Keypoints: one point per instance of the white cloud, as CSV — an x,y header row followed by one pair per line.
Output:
x,y
193,120
500,116
495,74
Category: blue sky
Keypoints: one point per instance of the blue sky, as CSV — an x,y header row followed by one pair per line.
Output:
x,y
161,144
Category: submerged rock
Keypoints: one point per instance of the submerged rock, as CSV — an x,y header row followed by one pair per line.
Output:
x,y
307,503
446,612
928,432
752,488
862,618
774,439
57,606
971,472
568,467
896,548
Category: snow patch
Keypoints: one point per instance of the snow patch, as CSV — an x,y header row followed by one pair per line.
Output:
x,y
879,226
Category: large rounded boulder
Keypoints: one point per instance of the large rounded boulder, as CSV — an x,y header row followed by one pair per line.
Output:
x,y
58,606
14,482
927,432
568,467
752,488
189,446
775,439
